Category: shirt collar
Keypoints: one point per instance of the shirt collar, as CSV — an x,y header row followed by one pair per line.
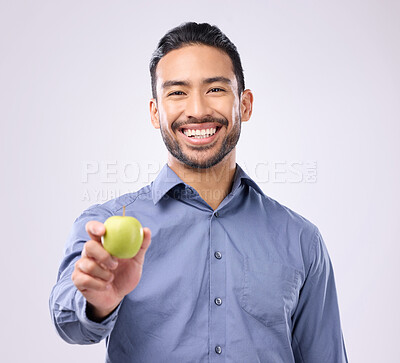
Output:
x,y
167,180
241,176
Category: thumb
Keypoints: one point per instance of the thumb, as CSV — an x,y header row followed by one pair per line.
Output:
x,y
145,245
95,230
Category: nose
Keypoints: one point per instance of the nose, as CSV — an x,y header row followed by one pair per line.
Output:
x,y
197,106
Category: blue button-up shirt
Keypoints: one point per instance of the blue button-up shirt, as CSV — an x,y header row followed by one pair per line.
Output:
x,y
248,282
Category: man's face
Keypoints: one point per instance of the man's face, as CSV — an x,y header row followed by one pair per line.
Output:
x,y
198,108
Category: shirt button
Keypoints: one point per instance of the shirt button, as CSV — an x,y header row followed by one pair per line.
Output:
x,y
216,214
218,301
218,255
218,349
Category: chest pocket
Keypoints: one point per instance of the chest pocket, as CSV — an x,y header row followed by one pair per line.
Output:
x,y
270,292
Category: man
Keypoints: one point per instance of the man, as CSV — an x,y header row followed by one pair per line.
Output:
x,y
230,275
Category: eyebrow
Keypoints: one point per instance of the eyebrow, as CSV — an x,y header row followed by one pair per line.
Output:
x,y
210,80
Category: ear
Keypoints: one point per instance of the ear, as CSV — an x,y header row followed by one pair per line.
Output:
x,y
155,120
246,105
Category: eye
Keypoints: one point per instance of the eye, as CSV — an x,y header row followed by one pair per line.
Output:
x,y
176,93
216,89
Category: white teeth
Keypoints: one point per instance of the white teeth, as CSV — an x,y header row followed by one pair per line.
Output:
x,y
200,134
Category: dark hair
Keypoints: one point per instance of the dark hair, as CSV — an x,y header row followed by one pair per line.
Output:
x,y
194,33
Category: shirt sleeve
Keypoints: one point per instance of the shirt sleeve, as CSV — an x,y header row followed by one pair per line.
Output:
x,y
317,335
67,304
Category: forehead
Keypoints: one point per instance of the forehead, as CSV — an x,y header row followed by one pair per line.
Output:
x,y
193,63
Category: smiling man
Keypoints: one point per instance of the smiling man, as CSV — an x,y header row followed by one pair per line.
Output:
x,y
199,105
230,275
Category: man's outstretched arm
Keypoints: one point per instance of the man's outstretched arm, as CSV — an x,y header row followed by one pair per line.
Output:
x,y
91,284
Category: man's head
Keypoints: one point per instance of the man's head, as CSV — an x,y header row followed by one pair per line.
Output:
x,y
192,34
199,99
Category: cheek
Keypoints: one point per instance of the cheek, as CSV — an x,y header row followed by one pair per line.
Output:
x,y
236,111
169,113
173,109
221,109
228,107
172,112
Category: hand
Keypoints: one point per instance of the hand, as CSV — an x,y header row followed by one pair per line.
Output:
x,y
103,279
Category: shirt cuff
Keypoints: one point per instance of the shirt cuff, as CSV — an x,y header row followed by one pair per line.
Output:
x,y
98,331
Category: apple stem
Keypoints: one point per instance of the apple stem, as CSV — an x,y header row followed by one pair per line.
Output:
x,y
123,211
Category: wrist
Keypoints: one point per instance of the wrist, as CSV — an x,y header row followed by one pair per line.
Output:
x,y
96,314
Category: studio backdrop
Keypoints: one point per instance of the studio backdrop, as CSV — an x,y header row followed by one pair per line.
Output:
x,y
323,140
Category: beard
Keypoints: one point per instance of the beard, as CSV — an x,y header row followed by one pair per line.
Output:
x,y
195,161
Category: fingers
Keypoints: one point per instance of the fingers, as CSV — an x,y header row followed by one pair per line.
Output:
x,y
95,229
146,238
95,251
92,268
85,282
145,245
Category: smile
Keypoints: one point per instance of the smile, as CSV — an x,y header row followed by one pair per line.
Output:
x,y
199,134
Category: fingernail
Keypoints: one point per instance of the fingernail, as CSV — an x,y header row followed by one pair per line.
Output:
x,y
94,230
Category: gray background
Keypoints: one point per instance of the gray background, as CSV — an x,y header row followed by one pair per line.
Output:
x,y
74,93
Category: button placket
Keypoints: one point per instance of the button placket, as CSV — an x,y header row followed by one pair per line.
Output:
x,y
217,327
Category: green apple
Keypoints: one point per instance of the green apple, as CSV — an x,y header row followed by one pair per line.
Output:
x,y
123,237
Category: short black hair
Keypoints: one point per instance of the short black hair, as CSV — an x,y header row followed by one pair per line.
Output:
x,y
191,33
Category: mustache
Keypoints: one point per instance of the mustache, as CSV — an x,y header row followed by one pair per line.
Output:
x,y
177,124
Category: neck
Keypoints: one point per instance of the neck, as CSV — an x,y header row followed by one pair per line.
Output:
x,y
212,184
